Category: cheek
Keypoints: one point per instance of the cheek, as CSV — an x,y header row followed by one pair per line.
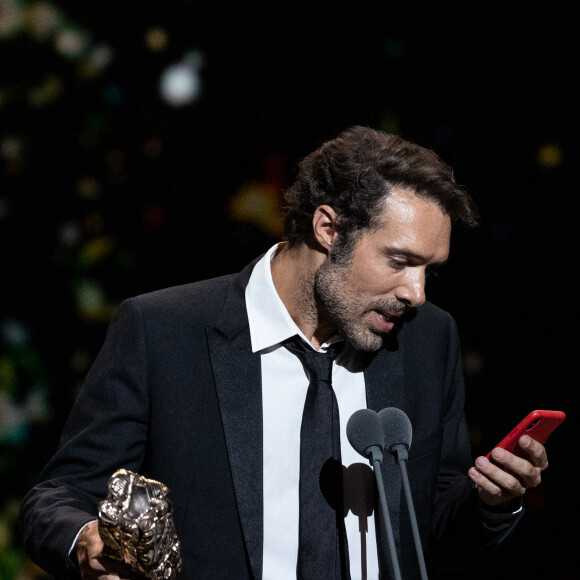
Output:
x,y
373,280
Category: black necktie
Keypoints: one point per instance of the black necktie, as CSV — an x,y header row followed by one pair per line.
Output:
x,y
322,552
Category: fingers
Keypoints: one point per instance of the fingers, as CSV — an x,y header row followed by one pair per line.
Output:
x,y
497,485
92,564
536,451
526,472
106,569
89,544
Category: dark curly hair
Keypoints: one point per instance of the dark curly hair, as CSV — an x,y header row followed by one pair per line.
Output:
x,y
354,174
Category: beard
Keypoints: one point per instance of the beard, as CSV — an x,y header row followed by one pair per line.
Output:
x,y
346,310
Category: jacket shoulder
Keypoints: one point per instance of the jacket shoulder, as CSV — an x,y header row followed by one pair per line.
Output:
x,y
204,299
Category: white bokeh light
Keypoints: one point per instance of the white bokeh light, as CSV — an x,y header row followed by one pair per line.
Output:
x,y
180,84
71,42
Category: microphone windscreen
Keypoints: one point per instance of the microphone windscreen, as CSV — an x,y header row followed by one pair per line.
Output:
x,y
396,427
364,430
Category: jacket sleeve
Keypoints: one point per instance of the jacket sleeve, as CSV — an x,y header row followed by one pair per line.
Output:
x,y
462,538
106,430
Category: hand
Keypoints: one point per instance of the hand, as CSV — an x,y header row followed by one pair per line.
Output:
x,y
93,565
496,486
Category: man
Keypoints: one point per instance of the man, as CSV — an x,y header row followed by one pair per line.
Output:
x,y
198,387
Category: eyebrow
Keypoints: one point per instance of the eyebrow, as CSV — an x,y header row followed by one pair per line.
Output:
x,y
410,254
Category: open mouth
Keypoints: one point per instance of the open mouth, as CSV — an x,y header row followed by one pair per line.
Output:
x,y
383,321
391,315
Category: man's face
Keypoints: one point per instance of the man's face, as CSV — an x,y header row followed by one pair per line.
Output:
x,y
386,271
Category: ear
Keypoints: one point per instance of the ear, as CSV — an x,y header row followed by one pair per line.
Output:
x,y
324,226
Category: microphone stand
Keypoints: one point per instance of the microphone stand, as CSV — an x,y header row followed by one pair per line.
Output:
x,y
402,455
377,459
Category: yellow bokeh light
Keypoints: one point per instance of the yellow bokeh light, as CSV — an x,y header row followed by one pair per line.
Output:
x,y
257,203
550,155
88,187
96,250
156,39
91,301
43,20
46,93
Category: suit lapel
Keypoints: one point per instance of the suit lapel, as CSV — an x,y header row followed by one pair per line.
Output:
x,y
384,383
238,383
384,377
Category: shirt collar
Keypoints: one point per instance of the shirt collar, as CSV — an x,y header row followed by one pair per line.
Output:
x,y
270,323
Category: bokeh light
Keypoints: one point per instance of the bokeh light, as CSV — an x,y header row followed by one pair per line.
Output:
x,y
15,332
180,83
96,61
11,147
473,362
156,39
550,155
71,42
11,18
69,233
23,390
43,19
46,93
91,300
96,250
88,187
258,204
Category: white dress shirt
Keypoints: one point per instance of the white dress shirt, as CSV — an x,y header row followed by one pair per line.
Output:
x,y
284,386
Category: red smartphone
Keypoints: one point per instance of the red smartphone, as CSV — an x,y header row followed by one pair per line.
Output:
x,y
539,425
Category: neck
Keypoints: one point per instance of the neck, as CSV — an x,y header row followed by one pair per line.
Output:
x,y
293,272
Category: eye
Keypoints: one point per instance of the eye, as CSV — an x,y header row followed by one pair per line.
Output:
x,y
431,272
397,263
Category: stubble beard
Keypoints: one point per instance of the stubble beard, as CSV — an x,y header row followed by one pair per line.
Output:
x,y
344,310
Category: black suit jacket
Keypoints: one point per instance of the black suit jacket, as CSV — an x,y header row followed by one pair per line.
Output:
x,y
175,394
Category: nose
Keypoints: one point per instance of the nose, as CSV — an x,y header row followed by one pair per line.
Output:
x,y
411,291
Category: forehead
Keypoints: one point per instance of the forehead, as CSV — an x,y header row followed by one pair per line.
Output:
x,y
406,220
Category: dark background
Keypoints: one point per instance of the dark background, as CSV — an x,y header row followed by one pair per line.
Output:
x,y
107,191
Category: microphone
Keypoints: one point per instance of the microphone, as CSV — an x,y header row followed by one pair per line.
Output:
x,y
365,434
398,434
397,431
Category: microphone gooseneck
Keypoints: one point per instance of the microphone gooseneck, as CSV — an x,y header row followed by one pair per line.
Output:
x,y
365,434
398,433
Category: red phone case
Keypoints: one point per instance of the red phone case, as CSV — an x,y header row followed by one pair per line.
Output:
x,y
538,425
